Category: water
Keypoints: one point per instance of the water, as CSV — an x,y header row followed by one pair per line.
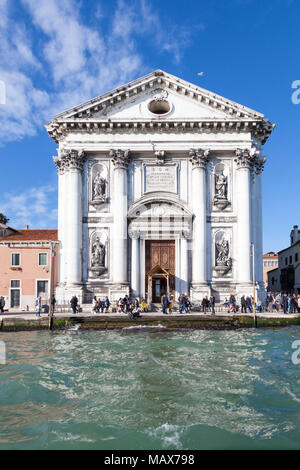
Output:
x,y
150,389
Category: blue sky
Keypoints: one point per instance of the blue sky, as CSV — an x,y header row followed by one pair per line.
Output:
x,y
56,54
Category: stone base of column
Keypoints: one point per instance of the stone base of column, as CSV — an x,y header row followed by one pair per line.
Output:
x,y
245,289
64,293
198,291
117,291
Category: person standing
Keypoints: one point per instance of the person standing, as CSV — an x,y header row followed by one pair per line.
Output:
x,y
243,304
248,304
53,302
285,303
39,306
74,303
205,304
2,304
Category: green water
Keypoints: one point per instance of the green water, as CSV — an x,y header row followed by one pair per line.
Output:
x,y
150,390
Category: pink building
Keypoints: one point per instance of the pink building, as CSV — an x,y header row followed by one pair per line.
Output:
x,y
26,267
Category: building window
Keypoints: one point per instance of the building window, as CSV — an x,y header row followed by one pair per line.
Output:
x,y
286,261
15,283
15,293
42,259
272,281
296,257
42,289
15,259
291,259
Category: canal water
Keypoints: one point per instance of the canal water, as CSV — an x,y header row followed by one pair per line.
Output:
x,y
150,389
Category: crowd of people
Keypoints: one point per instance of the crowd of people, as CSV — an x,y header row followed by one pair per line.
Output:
x,y
287,303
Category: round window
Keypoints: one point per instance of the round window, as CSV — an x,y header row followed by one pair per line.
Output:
x,y
159,106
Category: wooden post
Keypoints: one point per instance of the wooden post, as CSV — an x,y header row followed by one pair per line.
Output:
x,y
253,279
50,290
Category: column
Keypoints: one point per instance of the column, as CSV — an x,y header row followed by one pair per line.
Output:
x,y
120,159
199,159
259,165
135,264
243,161
74,217
184,262
61,252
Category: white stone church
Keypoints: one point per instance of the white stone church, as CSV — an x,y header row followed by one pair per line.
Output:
x,y
159,192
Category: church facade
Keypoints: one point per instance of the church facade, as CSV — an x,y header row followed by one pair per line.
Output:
x,y
159,192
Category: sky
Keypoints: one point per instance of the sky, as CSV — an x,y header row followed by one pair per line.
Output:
x,y
56,54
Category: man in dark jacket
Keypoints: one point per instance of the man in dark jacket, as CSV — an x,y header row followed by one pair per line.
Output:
x,y
74,303
285,303
243,304
205,304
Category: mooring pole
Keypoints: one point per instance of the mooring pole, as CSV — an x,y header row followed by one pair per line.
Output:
x,y
50,291
253,279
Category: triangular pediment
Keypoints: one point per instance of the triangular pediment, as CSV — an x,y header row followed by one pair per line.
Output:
x,y
131,102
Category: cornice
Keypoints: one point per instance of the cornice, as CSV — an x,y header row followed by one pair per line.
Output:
x,y
60,129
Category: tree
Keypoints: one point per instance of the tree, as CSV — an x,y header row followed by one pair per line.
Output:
x,y
3,219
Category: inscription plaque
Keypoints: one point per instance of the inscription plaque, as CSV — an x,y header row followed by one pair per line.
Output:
x,y
161,178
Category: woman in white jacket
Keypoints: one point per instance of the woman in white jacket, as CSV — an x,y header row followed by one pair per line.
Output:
x,y
94,305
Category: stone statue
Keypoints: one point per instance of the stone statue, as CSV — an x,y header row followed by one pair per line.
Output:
x,y
98,254
221,186
222,247
99,187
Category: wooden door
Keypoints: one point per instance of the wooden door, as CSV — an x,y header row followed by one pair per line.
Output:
x,y
161,253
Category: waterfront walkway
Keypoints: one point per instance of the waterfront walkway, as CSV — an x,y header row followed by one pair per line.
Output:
x,y
21,315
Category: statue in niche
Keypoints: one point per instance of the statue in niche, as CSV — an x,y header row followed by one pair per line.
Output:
x,y
223,260
99,188
222,252
221,189
98,254
221,186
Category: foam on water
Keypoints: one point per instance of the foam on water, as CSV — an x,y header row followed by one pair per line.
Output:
x,y
158,389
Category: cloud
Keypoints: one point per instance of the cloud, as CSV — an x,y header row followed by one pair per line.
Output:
x,y
33,207
55,60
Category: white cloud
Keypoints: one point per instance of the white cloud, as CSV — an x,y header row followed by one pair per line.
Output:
x,y
75,62
33,207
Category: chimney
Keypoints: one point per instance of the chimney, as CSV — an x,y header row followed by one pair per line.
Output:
x,y
26,227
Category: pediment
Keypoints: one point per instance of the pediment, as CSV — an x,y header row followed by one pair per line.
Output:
x,y
131,102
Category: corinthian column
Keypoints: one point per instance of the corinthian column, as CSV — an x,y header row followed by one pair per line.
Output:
x,y
75,162
120,159
259,165
61,261
199,159
244,161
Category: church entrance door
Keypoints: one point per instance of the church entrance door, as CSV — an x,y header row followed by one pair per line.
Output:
x,y
159,288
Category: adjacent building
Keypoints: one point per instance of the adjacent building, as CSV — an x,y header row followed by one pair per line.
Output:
x,y
270,262
286,278
27,269
159,191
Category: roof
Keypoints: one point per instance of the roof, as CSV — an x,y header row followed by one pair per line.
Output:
x,y
31,235
289,247
92,115
270,254
7,227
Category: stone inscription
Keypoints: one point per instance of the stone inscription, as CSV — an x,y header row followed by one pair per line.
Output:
x,y
160,178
